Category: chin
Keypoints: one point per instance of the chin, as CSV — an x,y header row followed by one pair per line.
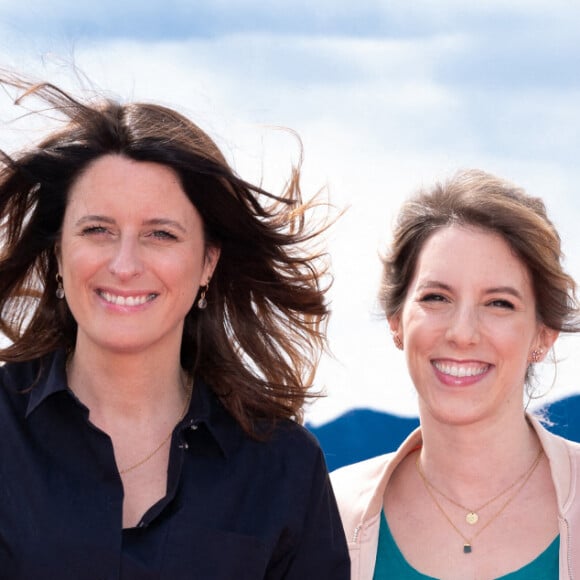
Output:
x,y
456,416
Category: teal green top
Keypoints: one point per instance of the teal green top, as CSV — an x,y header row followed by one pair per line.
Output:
x,y
391,564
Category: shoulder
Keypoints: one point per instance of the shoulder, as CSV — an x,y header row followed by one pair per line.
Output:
x,y
555,444
367,467
292,456
573,447
365,475
24,385
359,488
564,458
286,463
361,478
280,445
18,377
16,382
292,441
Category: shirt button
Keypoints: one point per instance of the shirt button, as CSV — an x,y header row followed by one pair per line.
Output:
x,y
184,446
194,426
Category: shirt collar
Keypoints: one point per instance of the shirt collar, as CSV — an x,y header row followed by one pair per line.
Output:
x,y
205,408
52,380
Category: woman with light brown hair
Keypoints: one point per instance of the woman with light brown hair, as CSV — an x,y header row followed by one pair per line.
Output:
x,y
165,319
475,295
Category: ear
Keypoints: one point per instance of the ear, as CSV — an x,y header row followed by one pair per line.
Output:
x,y
212,256
58,256
545,340
395,324
396,331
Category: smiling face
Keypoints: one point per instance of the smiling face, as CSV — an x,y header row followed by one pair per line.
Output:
x,y
132,255
469,326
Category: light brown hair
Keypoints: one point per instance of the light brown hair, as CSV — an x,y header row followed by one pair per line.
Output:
x,y
478,199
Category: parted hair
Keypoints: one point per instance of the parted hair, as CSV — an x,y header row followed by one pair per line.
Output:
x,y
478,199
258,341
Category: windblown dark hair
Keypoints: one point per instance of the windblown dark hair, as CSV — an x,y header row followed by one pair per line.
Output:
x,y
474,198
258,342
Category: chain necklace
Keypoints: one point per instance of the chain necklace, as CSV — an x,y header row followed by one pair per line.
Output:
x,y
472,515
189,389
468,541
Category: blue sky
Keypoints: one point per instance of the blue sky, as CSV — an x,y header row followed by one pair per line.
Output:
x,y
386,96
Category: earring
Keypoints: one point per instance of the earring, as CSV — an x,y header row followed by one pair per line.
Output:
x,y
536,355
202,302
59,287
397,340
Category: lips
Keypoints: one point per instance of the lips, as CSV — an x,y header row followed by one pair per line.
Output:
x,y
461,370
135,300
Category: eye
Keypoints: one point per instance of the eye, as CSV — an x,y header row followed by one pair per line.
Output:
x,y
433,297
501,303
90,230
163,235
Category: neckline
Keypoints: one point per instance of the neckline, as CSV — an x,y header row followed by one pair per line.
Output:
x,y
386,540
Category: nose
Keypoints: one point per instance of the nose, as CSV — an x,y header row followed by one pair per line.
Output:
x,y
463,327
126,262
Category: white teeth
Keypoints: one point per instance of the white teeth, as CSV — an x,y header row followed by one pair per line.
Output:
x,y
126,301
460,370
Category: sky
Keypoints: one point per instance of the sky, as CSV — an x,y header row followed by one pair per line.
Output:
x,y
385,96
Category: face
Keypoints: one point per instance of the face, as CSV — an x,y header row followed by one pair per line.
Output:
x,y
132,255
468,326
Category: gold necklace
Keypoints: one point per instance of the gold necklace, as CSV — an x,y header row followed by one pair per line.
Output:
x,y
472,515
468,541
189,388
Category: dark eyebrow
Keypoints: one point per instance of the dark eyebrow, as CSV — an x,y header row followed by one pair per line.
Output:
x,y
434,284
165,222
151,222
95,218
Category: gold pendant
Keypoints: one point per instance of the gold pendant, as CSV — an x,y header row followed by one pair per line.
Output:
x,y
471,518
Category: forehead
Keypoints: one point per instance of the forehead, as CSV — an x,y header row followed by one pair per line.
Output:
x,y
465,256
117,182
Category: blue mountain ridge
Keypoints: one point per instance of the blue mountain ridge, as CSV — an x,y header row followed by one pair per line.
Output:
x,y
363,433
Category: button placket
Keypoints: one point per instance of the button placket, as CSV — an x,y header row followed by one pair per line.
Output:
x,y
193,426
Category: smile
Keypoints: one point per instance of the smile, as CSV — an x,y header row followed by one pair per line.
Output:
x,y
126,300
461,370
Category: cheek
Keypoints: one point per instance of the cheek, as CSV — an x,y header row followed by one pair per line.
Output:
x,y
506,334
78,263
421,327
182,273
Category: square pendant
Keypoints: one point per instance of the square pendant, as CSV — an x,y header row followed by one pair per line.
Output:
x,y
467,548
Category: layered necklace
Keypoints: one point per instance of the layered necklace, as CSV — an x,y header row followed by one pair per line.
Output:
x,y
472,515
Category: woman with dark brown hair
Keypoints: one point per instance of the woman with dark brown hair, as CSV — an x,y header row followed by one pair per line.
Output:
x,y
165,318
475,295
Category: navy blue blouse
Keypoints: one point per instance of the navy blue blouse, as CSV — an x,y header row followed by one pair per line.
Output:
x,y
235,508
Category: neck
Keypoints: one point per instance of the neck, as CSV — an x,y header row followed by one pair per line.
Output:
x,y
472,461
134,385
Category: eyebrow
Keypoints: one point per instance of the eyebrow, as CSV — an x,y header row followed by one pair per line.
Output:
x,y
165,222
433,284
493,290
151,222
505,290
94,218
